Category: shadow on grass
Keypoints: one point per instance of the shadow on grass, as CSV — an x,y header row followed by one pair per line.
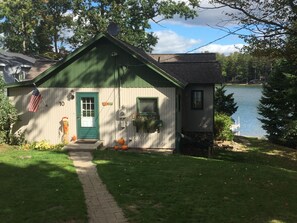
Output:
x,y
175,188
260,152
39,187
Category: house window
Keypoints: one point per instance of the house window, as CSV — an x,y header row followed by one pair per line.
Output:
x,y
197,100
147,106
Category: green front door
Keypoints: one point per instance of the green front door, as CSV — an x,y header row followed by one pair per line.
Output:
x,y
87,115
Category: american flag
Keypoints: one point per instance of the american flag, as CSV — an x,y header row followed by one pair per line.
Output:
x,y
35,100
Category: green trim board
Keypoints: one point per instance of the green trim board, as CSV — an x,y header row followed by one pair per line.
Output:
x,y
80,53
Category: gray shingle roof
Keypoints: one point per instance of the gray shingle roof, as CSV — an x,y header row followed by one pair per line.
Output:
x,y
6,57
196,72
184,57
193,68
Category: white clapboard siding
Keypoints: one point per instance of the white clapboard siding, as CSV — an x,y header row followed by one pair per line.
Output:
x,y
46,123
166,100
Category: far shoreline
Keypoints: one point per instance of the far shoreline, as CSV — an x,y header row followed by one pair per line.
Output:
x,y
241,84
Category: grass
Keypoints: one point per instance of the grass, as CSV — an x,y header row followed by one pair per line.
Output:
x,y
39,186
257,184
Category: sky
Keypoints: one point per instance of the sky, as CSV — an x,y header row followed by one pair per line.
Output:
x,y
191,36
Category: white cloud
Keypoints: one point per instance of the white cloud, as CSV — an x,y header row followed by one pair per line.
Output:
x,y
223,49
208,15
171,42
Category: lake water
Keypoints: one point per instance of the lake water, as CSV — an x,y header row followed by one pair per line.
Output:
x,y
247,99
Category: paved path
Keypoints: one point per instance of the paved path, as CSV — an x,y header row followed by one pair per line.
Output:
x,y
102,207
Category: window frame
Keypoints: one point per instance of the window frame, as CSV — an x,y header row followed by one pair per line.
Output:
x,y
192,100
138,101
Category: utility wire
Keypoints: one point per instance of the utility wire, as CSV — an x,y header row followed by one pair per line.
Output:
x,y
213,41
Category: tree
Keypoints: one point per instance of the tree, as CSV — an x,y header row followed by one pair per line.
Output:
x,y
244,67
224,103
17,22
278,106
34,26
273,27
270,24
55,14
8,115
132,17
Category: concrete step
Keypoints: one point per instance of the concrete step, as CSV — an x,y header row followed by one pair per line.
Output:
x,y
83,146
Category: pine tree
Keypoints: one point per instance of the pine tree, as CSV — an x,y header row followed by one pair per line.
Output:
x,y
278,105
224,103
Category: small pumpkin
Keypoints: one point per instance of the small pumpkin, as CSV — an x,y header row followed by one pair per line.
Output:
x,y
116,147
121,141
124,147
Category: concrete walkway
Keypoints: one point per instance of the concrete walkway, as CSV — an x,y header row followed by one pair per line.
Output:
x,y
102,207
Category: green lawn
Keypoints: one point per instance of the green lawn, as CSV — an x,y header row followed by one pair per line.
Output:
x,y
39,186
258,184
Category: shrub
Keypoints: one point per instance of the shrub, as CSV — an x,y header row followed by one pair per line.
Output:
x,y
17,139
8,115
222,127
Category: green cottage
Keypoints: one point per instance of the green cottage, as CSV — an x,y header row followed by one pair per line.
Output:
x,y
108,89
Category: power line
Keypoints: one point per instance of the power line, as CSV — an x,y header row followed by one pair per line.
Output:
x,y
213,41
222,37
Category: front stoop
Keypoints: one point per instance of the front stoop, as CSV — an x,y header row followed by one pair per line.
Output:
x,y
83,146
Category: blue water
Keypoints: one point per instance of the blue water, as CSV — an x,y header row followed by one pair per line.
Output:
x,y
247,99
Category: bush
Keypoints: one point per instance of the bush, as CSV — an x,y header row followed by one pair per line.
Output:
x,y
222,127
17,139
8,115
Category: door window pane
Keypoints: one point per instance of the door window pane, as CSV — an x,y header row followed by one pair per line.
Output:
x,y
87,112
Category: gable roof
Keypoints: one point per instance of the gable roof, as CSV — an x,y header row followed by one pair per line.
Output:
x,y
169,72
135,52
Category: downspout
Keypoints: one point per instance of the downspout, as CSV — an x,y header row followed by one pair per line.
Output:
x,y
213,112
114,54
176,120
119,86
